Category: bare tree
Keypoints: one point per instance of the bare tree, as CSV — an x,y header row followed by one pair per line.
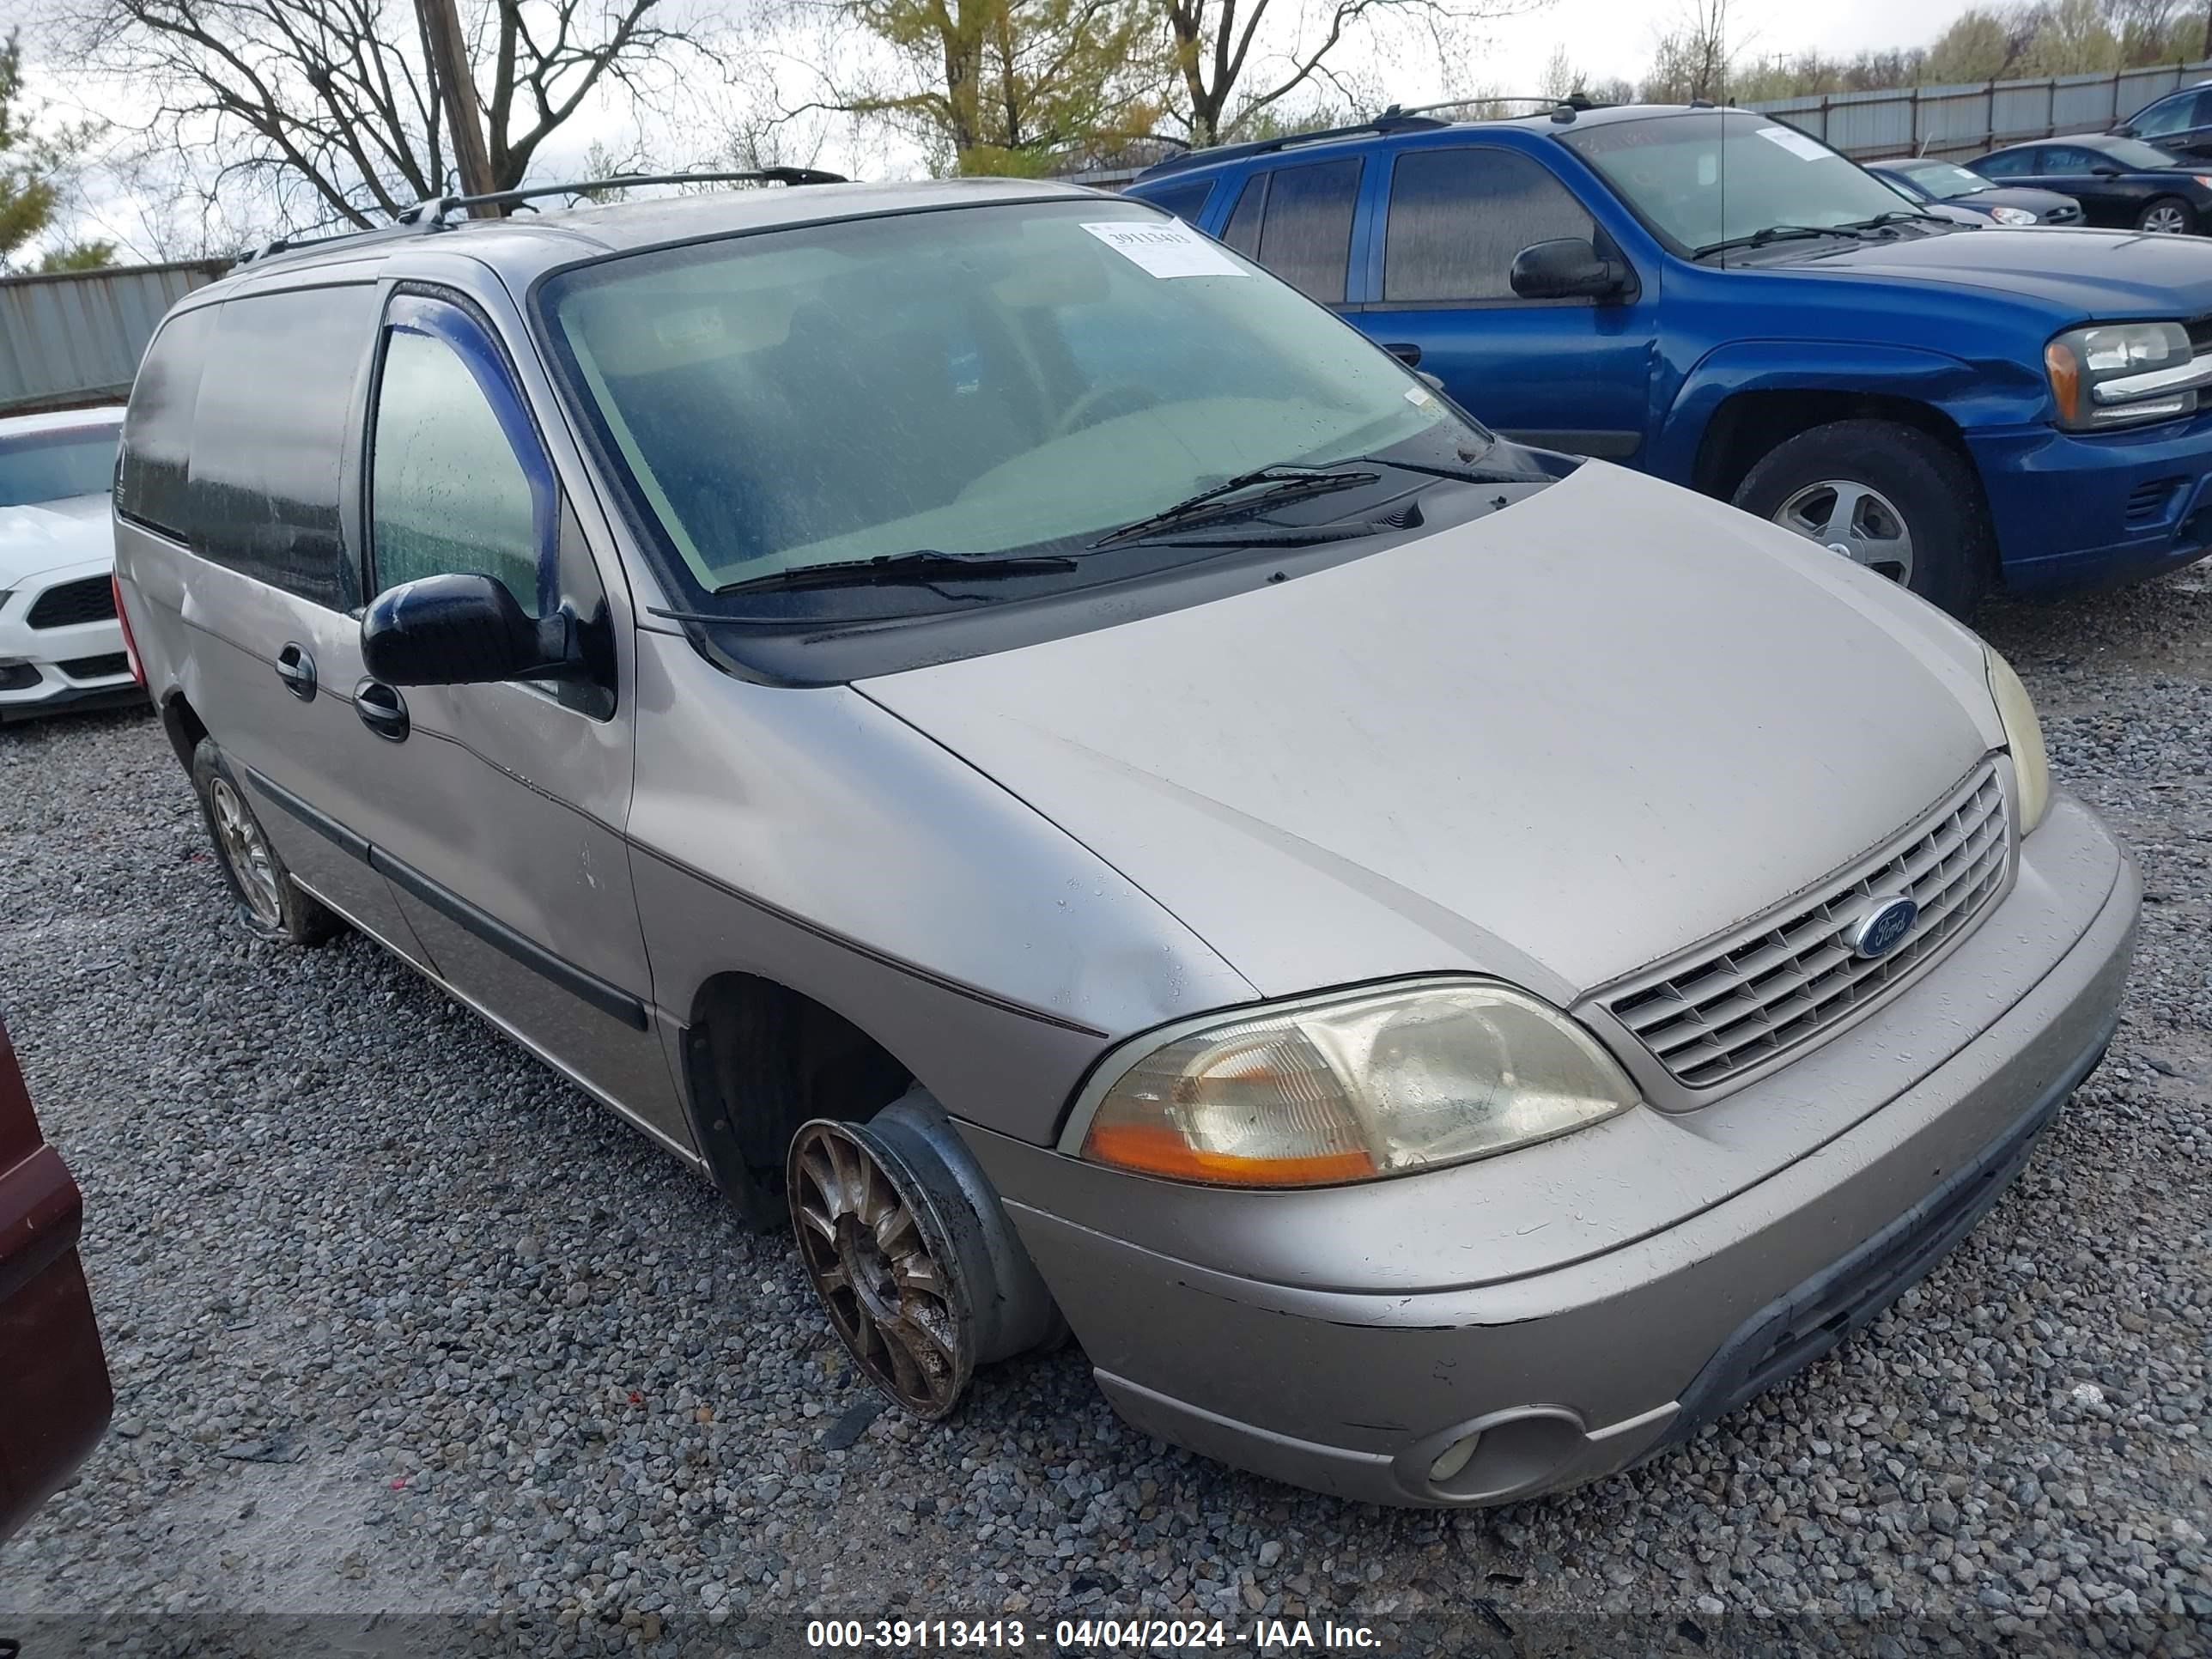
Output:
x,y
1230,71
1692,60
327,108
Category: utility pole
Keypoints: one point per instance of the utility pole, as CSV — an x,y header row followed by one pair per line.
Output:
x,y
457,90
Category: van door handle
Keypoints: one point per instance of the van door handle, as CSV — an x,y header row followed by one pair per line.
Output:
x,y
382,710
1406,352
297,670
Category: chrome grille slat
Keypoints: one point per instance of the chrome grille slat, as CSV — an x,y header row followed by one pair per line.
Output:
x,y
1788,976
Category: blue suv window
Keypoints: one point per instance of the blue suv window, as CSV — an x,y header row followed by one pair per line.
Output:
x,y
1458,216
1297,222
1185,201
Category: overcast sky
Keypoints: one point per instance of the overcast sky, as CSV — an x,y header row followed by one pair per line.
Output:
x,y
1606,37
1603,38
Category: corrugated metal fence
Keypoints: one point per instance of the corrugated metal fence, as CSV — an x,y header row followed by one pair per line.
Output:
x,y
76,337
1965,120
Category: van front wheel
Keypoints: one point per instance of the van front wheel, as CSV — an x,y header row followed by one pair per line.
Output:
x,y
1887,496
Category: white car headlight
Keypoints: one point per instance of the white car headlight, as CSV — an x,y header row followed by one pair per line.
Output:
x,y
2031,764
1348,1086
2012,215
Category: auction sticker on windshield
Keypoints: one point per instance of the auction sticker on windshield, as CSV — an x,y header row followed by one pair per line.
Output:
x,y
1166,248
1797,142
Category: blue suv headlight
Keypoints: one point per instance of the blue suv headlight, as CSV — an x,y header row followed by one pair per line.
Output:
x,y
2123,373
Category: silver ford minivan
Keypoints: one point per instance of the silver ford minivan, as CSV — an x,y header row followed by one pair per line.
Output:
x,y
975,717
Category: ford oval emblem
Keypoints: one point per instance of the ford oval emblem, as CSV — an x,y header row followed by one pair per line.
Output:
x,y
1881,926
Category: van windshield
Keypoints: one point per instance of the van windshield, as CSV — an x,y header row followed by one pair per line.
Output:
x,y
982,381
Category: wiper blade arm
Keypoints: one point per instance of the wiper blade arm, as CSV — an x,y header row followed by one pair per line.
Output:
x,y
1779,234
1287,483
923,565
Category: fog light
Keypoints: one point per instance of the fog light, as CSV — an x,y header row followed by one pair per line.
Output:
x,y
1454,1457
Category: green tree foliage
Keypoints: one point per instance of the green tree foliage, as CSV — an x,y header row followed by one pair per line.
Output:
x,y
32,172
1021,87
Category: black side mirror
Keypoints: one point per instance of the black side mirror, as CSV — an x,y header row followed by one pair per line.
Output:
x,y
2123,131
463,630
1568,269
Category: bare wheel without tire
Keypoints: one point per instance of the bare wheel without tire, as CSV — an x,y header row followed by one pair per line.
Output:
x,y
268,901
877,1248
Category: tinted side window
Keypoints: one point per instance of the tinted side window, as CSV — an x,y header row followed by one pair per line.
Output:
x,y
2062,158
1458,216
445,492
1186,201
2009,164
1243,231
2170,115
1306,236
269,433
150,485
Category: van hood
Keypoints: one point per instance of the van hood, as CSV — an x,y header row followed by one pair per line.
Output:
x,y
2086,274
47,535
1556,744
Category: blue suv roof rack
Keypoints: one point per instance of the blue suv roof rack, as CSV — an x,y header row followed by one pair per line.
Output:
x,y
1393,120
1396,118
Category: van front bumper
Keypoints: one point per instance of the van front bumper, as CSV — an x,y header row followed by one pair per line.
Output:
x,y
1232,1339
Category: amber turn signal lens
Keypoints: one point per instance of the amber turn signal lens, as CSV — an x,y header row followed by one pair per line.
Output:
x,y
2065,380
1151,1149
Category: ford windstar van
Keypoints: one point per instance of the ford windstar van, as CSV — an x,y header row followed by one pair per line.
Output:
x,y
987,724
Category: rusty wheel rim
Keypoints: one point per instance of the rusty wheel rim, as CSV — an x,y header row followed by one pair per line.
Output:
x,y
877,1255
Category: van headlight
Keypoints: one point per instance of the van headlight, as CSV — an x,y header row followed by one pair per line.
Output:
x,y
2123,373
2031,764
1348,1086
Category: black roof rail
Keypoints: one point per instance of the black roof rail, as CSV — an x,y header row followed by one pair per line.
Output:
x,y
1391,121
295,244
430,213
1396,118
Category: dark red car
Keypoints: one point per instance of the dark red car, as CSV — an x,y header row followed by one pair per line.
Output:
x,y
54,1397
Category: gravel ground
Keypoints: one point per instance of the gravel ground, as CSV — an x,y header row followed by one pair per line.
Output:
x,y
400,1322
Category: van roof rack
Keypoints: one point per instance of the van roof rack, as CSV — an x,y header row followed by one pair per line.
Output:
x,y
431,213
1396,118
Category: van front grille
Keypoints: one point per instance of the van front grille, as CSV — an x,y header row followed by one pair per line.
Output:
x,y
1793,975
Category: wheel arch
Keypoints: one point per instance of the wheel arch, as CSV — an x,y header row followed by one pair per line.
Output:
x,y
759,1057
182,722
1750,424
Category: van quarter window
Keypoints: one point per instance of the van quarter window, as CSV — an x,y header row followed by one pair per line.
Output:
x,y
268,433
150,485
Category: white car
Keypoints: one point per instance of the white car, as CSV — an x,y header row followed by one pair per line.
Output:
x,y
60,644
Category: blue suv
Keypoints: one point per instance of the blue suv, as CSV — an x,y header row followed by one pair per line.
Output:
x,y
1722,301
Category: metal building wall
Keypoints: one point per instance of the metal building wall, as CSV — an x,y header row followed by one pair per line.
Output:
x,y
76,337
1964,121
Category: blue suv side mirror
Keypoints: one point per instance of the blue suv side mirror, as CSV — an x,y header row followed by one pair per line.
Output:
x,y
1569,268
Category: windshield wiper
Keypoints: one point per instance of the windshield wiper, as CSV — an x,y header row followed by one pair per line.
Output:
x,y
1897,217
1284,484
922,566
1779,234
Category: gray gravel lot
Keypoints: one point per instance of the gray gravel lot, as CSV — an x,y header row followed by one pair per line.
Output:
x,y
399,1321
